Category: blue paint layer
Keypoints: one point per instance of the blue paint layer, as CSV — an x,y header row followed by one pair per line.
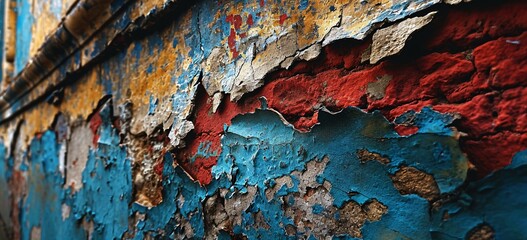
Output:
x,y
428,121
152,105
256,144
5,202
107,185
43,204
103,200
258,149
497,201
175,183
24,24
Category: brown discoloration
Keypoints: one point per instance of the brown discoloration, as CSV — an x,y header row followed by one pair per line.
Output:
x,y
18,187
409,180
353,215
351,220
9,44
147,160
365,156
146,151
216,217
374,210
222,213
260,222
481,232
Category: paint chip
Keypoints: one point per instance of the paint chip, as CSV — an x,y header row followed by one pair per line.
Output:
x,y
391,40
377,89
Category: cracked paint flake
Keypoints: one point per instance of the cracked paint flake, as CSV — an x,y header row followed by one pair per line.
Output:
x,y
455,1
391,40
275,188
263,53
147,153
355,24
257,29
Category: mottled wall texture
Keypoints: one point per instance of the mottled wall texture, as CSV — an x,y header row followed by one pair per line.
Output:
x,y
263,119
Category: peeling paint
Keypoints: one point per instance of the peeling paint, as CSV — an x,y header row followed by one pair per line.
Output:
x,y
391,40
264,161
79,144
374,120
376,89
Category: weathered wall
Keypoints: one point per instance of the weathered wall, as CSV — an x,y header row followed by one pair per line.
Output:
x,y
265,119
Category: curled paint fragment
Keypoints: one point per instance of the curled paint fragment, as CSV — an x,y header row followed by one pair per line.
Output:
x,y
391,40
178,132
452,2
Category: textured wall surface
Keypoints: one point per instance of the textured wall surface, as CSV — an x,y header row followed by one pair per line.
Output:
x,y
378,119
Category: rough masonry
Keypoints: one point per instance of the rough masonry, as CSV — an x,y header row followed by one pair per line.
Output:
x,y
153,119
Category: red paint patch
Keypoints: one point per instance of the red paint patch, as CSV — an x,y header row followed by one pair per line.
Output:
x,y
493,152
209,129
231,41
283,17
95,123
158,168
235,20
406,130
38,135
467,25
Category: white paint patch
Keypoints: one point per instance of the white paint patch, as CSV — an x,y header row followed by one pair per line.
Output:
x,y
391,40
